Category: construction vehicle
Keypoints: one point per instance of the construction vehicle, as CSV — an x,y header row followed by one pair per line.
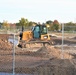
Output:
x,y
37,35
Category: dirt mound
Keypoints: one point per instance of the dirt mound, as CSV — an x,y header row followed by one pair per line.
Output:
x,y
4,36
53,52
50,52
74,38
57,67
46,52
4,43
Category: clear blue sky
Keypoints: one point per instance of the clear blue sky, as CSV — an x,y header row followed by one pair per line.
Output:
x,y
38,10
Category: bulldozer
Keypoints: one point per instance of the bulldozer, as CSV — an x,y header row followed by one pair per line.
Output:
x,y
37,35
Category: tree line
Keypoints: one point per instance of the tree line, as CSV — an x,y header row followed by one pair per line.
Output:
x,y
52,25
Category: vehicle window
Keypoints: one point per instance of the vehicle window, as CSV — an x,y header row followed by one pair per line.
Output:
x,y
37,29
44,30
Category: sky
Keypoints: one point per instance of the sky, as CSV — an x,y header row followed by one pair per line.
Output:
x,y
38,10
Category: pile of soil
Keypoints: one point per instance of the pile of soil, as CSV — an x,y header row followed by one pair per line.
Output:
x,y
57,67
4,43
4,36
54,52
44,52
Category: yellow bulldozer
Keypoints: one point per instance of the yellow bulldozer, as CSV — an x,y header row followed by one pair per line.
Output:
x,y
37,35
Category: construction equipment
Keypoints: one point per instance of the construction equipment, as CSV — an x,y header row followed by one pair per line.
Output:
x,y
38,35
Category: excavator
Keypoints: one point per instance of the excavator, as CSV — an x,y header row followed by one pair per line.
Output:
x,y
37,35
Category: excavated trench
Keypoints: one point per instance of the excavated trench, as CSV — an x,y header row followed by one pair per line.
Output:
x,y
43,61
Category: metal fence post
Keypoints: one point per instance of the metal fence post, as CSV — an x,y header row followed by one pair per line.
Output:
x,y
62,57
13,54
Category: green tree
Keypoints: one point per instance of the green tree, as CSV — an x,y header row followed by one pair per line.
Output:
x,y
23,22
55,27
30,23
49,24
70,26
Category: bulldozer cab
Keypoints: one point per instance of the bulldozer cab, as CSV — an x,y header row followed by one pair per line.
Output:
x,y
39,30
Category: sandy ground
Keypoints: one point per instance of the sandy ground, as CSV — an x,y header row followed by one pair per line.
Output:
x,y
42,60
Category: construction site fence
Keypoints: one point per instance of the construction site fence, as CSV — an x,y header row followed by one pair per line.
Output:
x,y
16,29
42,70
